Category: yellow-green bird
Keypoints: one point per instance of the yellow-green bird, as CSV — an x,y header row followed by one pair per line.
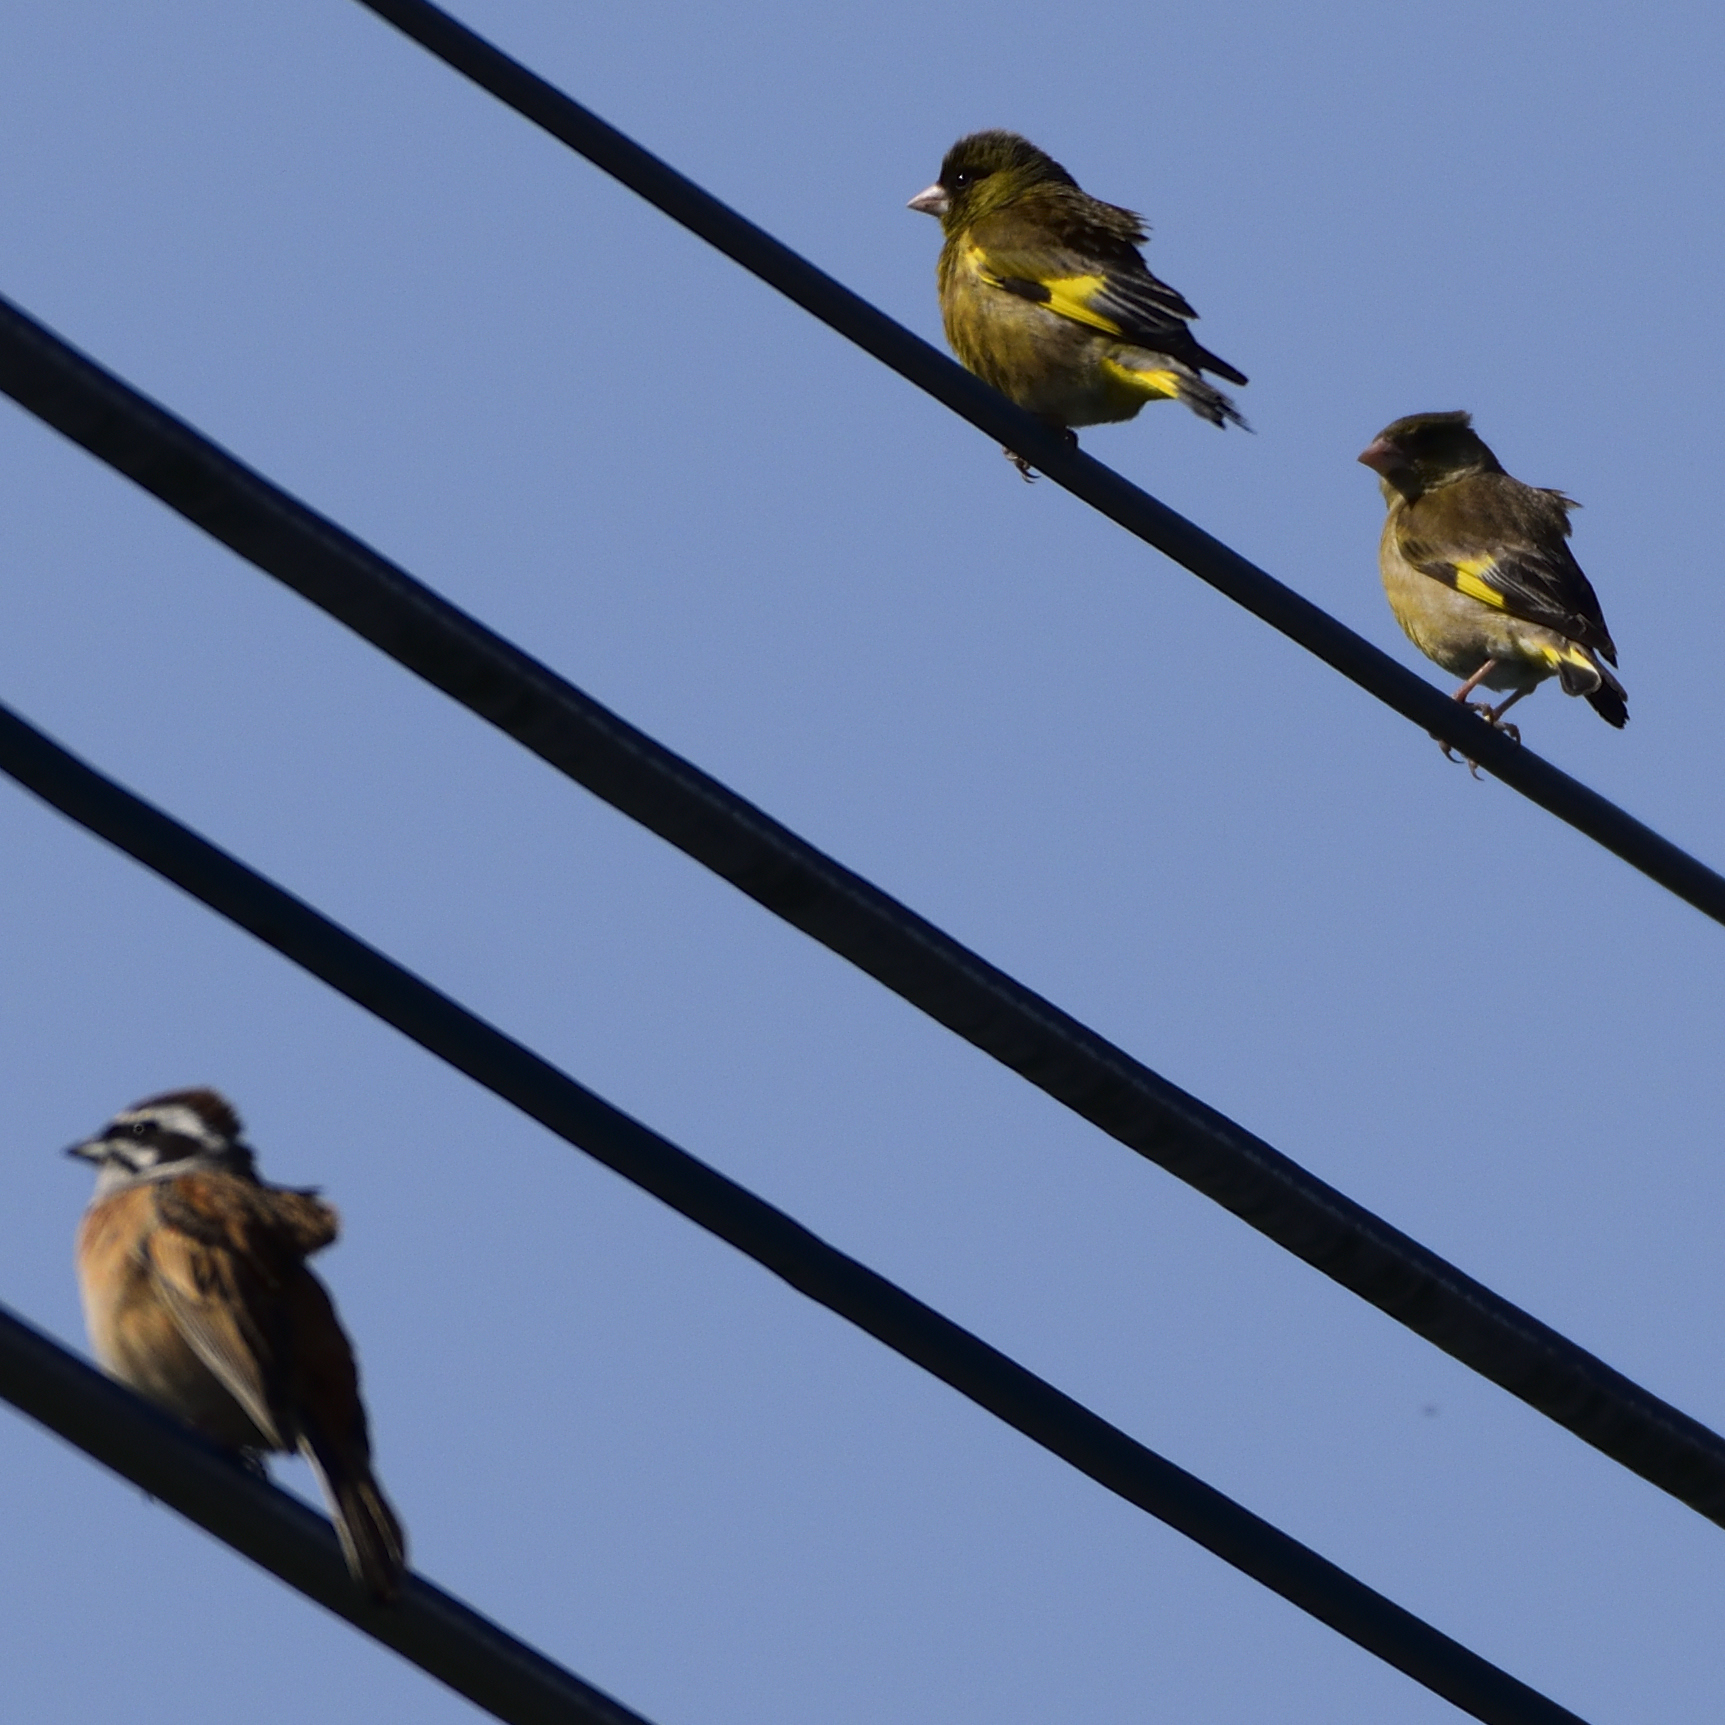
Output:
x,y
1045,294
1478,570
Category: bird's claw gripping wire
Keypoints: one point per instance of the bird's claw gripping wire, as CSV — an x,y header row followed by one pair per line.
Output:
x,y
1493,716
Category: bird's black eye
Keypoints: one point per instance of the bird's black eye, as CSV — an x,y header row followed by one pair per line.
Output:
x,y
140,1128
959,180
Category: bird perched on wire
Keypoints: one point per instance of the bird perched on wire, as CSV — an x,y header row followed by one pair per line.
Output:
x,y
196,1294
1046,296
1478,570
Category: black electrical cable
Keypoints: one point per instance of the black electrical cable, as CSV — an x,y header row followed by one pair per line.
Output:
x,y
926,967
1102,488
439,1634
988,1377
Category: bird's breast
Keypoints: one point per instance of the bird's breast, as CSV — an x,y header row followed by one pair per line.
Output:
x,y
1457,631
1050,365
134,1333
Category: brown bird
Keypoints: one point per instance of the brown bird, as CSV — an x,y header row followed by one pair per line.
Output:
x,y
196,1294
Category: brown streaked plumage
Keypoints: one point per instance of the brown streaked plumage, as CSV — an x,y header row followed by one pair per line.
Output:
x,y
197,1295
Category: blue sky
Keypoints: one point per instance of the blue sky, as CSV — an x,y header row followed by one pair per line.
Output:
x,y
602,1427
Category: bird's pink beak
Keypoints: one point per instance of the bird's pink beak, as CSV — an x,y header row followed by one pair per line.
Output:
x,y
1381,455
932,202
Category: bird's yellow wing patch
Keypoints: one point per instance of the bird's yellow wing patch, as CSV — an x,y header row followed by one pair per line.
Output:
x,y
1472,578
1070,296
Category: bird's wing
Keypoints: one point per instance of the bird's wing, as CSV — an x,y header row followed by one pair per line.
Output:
x,y
1103,284
299,1217
222,1268
1508,549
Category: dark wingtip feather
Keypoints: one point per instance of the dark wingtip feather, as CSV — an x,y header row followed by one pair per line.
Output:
x,y
1207,361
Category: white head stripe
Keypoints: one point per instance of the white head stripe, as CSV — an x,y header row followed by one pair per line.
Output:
x,y
177,1118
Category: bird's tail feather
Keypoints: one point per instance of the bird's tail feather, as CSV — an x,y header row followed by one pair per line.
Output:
x,y
371,1536
1208,403
1609,700
1167,378
1584,675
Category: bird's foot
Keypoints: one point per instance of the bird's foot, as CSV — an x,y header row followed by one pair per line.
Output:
x,y
1492,716
1449,753
1025,471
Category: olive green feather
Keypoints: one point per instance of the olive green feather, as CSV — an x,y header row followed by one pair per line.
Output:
x,y
1045,295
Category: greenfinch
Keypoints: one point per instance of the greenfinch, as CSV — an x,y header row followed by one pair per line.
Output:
x,y
1045,295
1478,570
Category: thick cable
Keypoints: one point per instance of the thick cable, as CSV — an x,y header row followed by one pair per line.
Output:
x,y
924,966
443,1637
1064,1427
1101,487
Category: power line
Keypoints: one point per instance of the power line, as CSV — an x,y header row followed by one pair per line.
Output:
x,y
436,1632
774,1240
1101,487
924,966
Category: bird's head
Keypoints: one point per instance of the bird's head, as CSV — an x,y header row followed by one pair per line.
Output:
x,y
166,1134
1426,450
983,172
